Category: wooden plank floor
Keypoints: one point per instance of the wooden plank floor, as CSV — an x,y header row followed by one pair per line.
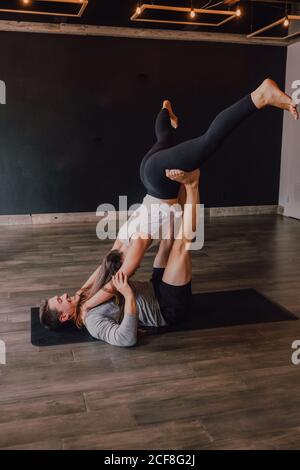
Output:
x,y
230,388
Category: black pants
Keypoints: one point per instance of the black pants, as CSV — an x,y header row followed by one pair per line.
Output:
x,y
175,302
189,155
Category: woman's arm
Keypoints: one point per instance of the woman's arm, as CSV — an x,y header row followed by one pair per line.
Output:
x,y
118,245
131,263
103,295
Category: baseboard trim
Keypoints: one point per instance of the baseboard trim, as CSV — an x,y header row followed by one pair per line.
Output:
x,y
15,219
243,210
63,218
81,217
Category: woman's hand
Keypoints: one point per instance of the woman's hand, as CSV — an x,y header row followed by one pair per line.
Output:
x,y
120,282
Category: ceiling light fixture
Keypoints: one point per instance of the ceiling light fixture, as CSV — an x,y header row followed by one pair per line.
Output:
x,y
283,22
222,16
286,19
47,7
138,10
192,12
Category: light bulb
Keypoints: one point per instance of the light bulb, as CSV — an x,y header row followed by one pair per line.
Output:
x,y
138,10
238,12
286,22
26,2
192,13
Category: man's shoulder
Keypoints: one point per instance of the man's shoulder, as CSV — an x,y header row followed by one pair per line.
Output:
x,y
102,310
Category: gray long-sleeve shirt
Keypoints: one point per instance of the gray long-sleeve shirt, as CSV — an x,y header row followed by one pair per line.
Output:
x,y
102,321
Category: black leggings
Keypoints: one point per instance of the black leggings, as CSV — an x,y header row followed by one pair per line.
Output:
x,y
189,155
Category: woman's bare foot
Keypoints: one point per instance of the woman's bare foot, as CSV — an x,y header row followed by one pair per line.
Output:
x,y
174,122
173,117
184,177
269,94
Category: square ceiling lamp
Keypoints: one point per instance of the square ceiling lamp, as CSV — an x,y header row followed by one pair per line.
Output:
x,y
174,15
287,27
74,8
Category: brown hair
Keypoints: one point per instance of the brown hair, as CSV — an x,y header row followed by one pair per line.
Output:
x,y
110,265
49,318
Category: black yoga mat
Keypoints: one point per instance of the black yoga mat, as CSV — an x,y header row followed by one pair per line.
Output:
x,y
210,310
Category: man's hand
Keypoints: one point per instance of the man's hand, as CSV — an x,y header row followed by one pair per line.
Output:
x,y
120,282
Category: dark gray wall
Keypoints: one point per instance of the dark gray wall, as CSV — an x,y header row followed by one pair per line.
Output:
x,y
80,113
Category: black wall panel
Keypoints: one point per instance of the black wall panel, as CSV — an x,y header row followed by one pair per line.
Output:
x,y
80,113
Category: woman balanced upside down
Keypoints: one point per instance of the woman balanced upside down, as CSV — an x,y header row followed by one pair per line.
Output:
x,y
164,171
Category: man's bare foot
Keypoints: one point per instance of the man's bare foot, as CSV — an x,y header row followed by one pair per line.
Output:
x,y
269,94
184,177
173,117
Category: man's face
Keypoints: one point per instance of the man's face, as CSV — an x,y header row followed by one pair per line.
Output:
x,y
64,304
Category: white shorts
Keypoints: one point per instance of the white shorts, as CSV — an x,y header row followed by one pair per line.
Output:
x,y
153,217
